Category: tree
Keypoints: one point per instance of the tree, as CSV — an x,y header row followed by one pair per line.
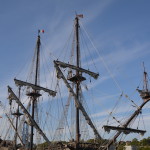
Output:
x,y
135,142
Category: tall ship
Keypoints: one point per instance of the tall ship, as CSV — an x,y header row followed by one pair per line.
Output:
x,y
54,114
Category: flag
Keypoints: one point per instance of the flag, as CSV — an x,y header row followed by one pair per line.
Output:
x,y
80,15
41,31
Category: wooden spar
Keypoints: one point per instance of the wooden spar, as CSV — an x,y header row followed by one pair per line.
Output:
x,y
34,87
124,130
65,65
77,102
144,94
14,97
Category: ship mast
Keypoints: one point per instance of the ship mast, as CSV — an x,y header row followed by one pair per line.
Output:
x,y
77,83
145,86
17,114
34,95
76,78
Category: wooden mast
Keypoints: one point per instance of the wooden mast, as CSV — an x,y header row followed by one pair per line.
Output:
x,y
17,114
76,78
35,94
145,86
77,82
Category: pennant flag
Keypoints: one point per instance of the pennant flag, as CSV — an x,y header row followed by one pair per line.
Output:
x,y
80,15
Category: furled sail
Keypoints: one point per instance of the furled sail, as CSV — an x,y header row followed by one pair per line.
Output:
x,y
34,87
65,65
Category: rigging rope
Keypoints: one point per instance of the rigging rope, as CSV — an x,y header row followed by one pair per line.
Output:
x,y
82,35
66,110
67,43
107,68
143,121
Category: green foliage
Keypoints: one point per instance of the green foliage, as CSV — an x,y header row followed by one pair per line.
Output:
x,y
43,145
120,147
144,144
99,141
144,148
135,142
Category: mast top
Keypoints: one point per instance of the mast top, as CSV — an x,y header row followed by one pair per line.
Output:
x,y
145,73
79,16
145,80
145,92
40,31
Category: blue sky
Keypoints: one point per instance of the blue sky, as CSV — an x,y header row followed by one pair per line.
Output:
x,y
120,30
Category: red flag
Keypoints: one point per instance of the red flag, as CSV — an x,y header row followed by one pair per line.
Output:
x,y
80,15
